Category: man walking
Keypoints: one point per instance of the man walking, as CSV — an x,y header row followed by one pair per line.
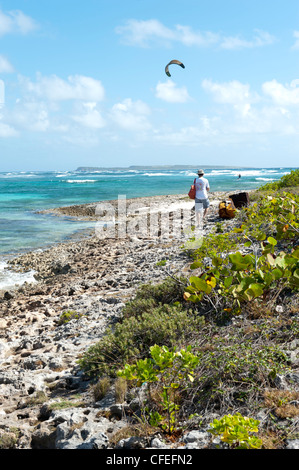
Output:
x,y
202,202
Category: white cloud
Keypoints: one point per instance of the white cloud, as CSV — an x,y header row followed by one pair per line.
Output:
x,y
40,116
16,22
5,65
76,87
251,113
283,95
53,105
29,115
169,92
199,133
231,92
131,115
138,32
185,35
243,117
230,128
89,116
234,93
7,131
143,33
69,108
260,38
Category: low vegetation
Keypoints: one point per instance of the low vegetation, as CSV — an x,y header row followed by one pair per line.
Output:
x,y
291,180
220,341
67,316
165,325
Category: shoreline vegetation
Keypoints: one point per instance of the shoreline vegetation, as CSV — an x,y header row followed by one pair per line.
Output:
x,y
127,343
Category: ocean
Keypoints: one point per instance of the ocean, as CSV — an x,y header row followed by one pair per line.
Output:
x,y
23,194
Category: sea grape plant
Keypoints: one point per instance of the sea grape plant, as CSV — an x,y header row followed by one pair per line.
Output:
x,y
170,368
237,431
246,277
273,215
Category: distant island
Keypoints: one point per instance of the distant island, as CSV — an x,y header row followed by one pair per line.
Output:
x,y
156,167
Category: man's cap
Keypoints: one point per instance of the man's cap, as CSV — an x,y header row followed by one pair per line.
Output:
x,y
200,172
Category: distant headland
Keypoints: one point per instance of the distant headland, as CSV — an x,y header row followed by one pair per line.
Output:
x,y
157,167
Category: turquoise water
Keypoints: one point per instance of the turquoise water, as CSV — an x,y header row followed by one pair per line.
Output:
x,y
22,194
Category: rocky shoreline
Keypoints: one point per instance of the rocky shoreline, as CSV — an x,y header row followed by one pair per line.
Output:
x,y
46,400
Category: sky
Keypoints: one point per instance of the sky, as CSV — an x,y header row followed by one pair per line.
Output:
x,y
84,83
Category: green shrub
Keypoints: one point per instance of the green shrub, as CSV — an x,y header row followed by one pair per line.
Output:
x,y
215,244
130,340
166,292
275,215
69,315
247,277
161,263
149,296
287,181
237,431
137,307
233,367
172,370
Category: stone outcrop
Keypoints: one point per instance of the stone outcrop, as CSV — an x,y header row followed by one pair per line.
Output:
x,y
43,393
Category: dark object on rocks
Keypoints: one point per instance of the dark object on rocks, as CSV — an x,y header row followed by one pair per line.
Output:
x,y
240,200
60,268
8,295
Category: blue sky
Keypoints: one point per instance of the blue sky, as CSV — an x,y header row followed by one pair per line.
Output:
x,y
83,83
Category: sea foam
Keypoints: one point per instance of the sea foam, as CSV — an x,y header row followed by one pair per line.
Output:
x,y
9,278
